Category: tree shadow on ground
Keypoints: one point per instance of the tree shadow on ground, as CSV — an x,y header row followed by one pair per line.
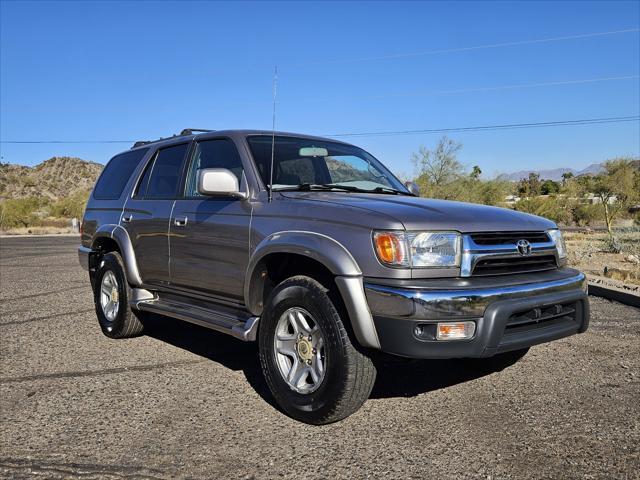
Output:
x,y
397,377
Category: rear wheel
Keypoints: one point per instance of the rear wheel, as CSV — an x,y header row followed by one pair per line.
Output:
x,y
111,297
309,362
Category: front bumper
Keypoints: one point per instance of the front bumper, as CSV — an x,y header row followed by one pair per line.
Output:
x,y
510,312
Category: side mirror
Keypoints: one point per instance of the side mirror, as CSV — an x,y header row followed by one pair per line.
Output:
x,y
219,181
413,188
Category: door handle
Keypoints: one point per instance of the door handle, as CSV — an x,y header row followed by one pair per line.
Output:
x,y
180,222
127,218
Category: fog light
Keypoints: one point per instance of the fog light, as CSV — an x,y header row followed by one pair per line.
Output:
x,y
455,330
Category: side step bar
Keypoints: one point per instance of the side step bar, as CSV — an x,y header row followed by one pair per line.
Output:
x,y
226,320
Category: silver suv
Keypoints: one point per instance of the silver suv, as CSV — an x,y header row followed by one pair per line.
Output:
x,y
315,250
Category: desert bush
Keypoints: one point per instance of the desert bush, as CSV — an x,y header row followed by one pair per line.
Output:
x,y
491,192
585,215
70,207
20,212
612,245
548,207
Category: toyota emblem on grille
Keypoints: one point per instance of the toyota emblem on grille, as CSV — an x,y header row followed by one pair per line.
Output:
x,y
524,247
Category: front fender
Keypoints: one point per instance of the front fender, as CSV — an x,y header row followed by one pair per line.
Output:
x,y
330,253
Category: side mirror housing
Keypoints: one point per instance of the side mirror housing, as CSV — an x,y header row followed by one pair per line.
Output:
x,y
219,182
413,188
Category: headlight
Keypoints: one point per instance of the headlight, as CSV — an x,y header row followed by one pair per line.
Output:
x,y
556,237
418,249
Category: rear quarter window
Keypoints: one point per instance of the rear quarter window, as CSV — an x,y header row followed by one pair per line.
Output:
x,y
116,174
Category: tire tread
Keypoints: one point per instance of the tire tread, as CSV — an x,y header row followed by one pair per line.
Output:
x,y
127,324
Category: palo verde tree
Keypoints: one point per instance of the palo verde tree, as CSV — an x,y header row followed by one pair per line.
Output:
x,y
439,169
19,212
439,174
616,189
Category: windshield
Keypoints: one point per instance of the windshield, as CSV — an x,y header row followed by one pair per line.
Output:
x,y
305,162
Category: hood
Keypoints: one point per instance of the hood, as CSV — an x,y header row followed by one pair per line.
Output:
x,y
423,213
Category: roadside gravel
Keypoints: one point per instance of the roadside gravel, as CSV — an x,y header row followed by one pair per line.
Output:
x,y
184,402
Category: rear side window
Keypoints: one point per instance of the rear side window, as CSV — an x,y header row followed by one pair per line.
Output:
x,y
141,189
116,174
165,172
220,153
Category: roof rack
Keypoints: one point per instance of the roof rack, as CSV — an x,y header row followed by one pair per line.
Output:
x,y
184,132
191,131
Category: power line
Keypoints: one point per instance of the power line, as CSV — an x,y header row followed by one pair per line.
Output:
x,y
415,93
471,48
419,93
432,52
557,123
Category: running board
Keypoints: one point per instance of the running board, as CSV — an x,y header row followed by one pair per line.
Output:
x,y
226,320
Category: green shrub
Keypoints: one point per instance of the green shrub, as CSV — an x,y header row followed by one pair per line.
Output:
x,y
548,207
20,212
70,207
585,215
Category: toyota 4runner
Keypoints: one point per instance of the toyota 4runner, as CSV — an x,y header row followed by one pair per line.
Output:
x,y
315,250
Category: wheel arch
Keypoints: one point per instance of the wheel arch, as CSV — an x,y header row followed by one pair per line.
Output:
x,y
288,253
115,238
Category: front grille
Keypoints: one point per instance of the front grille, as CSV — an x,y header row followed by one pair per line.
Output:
x,y
508,238
510,265
541,317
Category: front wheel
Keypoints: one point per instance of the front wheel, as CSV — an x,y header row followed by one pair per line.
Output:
x,y
311,366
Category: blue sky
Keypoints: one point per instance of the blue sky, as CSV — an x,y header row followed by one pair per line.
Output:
x,y
141,70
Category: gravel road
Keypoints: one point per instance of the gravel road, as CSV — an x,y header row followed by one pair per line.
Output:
x,y
185,402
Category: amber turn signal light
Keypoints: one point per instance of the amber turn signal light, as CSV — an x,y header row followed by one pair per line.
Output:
x,y
455,330
390,247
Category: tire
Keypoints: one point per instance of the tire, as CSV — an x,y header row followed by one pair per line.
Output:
x,y
117,320
348,375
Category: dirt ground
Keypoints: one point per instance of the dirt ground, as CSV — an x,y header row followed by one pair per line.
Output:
x,y
588,251
184,402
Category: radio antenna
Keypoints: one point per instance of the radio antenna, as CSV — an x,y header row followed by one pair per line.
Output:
x,y
273,131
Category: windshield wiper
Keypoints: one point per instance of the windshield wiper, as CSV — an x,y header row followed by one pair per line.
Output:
x,y
324,187
391,191
306,187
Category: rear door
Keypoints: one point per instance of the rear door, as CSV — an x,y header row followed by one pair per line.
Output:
x,y
147,213
210,235
108,196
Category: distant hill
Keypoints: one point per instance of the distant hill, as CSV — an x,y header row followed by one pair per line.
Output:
x,y
55,178
555,173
